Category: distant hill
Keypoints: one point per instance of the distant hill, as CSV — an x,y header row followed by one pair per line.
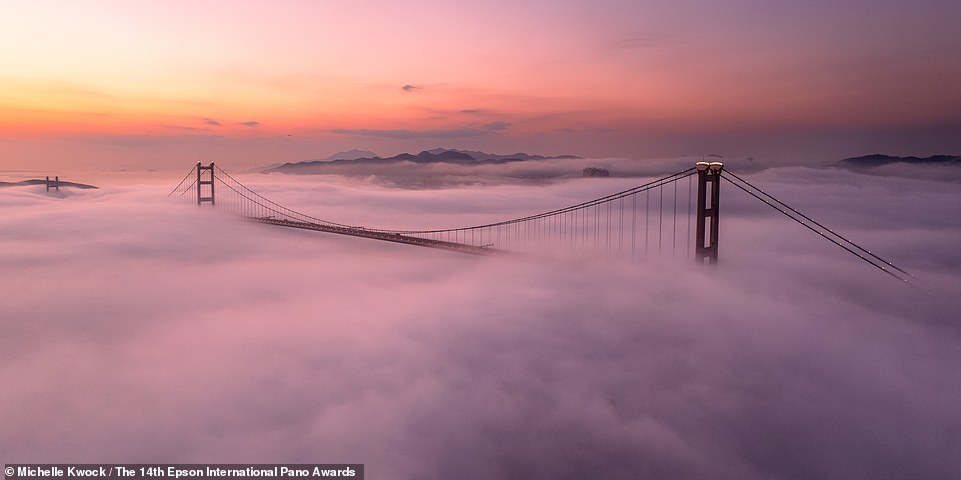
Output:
x,y
437,155
877,160
351,155
44,182
494,158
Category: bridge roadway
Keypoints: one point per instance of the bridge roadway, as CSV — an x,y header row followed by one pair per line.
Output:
x,y
376,235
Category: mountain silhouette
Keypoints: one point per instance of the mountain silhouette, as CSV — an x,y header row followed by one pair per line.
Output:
x,y
437,155
877,159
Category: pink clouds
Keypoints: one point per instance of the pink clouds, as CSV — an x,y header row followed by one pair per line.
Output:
x,y
177,335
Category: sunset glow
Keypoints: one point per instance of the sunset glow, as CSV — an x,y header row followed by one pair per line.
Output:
x,y
632,79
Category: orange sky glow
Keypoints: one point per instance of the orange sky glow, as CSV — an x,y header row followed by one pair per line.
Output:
x,y
147,84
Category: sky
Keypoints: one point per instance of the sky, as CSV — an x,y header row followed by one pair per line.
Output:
x,y
141,85
182,335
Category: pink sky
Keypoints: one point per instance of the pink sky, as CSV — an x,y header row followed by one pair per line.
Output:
x,y
116,84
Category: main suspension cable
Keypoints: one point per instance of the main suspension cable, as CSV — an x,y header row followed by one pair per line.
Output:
x,y
822,234
868,252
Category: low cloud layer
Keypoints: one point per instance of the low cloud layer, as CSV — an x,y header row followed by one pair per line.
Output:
x,y
143,330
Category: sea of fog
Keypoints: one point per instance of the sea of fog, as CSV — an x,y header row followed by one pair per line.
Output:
x,y
140,329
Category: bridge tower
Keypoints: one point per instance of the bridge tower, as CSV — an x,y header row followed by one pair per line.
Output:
x,y
708,177
201,182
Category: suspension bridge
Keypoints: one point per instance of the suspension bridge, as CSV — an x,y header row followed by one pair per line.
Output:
x,y
656,218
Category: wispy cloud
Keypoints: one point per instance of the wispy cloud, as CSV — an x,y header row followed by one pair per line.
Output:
x,y
181,127
632,43
249,124
497,126
210,121
410,88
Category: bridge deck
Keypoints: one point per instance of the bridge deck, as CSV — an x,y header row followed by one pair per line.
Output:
x,y
390,237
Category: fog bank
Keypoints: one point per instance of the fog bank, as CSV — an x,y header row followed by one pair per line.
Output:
x,y
142,330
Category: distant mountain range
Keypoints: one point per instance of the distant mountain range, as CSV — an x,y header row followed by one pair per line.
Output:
x,y
351,155
437,155
877,160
